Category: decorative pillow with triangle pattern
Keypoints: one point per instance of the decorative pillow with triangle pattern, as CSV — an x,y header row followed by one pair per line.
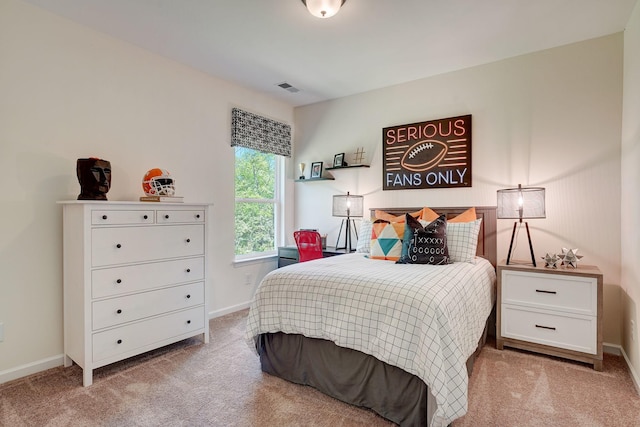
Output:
x,y
386,240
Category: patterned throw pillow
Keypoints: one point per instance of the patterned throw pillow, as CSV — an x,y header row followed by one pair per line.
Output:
x,y
386,240
462,240
426,245
364,237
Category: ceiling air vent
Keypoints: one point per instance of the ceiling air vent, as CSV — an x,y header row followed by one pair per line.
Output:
x,y
286,86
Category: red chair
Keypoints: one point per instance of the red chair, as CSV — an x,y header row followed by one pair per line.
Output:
x,y
309,245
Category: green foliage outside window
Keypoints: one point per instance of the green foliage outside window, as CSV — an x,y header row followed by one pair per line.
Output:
x,y
255,192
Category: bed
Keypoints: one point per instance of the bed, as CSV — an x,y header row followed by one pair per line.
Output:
x,y
372,334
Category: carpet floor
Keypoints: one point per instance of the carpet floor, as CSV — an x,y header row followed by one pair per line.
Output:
x,y
221,384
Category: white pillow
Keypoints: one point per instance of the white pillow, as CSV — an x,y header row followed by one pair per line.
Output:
x,y
364,237
462,240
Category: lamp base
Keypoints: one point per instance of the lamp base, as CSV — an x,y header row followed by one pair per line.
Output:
x,y
350,226
513,234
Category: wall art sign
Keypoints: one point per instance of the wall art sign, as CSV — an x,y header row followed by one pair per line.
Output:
x,y
432,154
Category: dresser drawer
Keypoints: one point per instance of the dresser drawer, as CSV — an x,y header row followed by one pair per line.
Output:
x,y
169,216
124,217
110,246
106,282
115,311
128,338
565,293
571,332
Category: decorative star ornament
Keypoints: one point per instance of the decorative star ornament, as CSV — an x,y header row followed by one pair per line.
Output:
x,y
570,257
552,260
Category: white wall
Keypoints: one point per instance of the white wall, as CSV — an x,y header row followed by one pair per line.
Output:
x,y
630,223
550,119
68,92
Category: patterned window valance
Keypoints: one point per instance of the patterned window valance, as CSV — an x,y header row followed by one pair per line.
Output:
x,y
259,133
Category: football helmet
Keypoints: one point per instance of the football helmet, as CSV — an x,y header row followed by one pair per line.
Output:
x,y
158,182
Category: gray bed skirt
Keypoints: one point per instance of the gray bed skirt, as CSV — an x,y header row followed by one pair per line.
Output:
x,y
351,376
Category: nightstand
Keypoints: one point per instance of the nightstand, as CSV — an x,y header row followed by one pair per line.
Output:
x,y
289,254
557,312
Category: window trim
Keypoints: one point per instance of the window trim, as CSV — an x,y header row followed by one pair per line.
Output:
x,y
278,213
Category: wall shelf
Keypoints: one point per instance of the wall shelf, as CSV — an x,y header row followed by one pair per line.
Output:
x,y
314,179
346,167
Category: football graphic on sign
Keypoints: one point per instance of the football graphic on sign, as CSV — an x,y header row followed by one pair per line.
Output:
x,y
424,155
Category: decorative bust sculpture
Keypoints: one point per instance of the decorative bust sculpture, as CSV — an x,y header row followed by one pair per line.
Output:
x,y
94,176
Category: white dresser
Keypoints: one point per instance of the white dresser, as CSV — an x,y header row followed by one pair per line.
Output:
x,y
134,279
552,311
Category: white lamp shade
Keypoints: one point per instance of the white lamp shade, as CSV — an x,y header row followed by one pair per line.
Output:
x,y
521,203
323,8
348,205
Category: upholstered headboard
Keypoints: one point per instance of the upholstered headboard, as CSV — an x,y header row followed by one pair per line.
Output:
x,y
486,237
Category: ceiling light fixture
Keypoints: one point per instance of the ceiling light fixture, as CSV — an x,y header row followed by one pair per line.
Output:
x,y
323,8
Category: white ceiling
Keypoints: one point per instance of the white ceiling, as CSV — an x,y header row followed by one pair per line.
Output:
x,y
369,44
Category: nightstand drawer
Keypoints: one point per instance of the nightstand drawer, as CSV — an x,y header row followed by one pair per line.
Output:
x,y
559,292
571,332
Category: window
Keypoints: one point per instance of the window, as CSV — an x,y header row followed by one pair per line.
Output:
x,y
258,183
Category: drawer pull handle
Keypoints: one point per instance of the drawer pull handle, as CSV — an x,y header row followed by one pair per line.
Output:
x,y
188,240
546,292
188,322
119,341
146,217
188,270
118,246
198,216
104,217
546,327
188,296
119,311
166,217
119,281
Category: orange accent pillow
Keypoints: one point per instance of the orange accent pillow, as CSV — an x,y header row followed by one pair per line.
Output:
x,y
466,216
391,218
424,214
429,215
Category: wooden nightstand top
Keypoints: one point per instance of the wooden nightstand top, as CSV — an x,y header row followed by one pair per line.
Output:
x,y
581,270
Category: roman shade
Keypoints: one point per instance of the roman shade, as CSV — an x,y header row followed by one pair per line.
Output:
x,y
260,133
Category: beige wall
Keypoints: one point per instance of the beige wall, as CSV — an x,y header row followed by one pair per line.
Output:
x,y
550,118
630,210
70,92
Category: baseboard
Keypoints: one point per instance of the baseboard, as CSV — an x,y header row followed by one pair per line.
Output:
x,y
634,374
229,310
619,351
612,348
31,368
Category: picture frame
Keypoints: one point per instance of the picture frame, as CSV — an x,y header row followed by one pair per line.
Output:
x,y
338,160
316,170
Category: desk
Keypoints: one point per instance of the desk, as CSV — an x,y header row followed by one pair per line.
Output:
x,y
289,254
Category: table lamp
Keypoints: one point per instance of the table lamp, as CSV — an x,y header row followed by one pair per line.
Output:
x,y
347,206
521,203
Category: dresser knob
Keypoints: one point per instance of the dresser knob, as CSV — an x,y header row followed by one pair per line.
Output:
x,y
104,217
188,296
119,281
119,311
188,270
188,322
166,217
188,240
118,246
119,341
198,216
146,217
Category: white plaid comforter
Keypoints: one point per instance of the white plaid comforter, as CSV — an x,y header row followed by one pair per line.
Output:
x,y
424,319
